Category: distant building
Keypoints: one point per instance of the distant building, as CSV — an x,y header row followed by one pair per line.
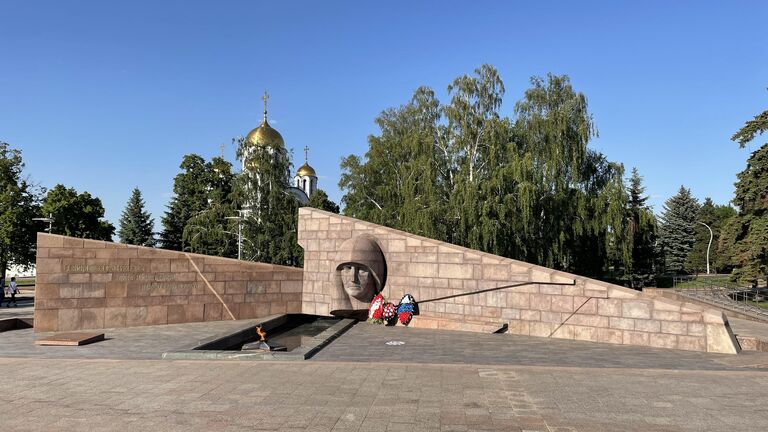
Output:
x,y
305,180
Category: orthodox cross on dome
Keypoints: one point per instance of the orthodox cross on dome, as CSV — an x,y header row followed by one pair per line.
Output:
x,y
222,150
265,98
306,154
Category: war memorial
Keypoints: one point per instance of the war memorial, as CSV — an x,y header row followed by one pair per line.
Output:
x,y
87,284
361,326
380,329
490,343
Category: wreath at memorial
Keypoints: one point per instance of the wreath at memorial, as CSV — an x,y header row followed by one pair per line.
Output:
x,y
384,312
376,311
389,314
406,309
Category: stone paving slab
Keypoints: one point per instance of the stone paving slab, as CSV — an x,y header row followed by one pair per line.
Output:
x,y
754,329
25,308
142,395
368,343
146,342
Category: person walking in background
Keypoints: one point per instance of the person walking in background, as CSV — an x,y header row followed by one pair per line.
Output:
x,y
2,290
12,290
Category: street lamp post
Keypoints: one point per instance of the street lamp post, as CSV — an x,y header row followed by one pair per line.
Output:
x,y
710,243
239,218
49,219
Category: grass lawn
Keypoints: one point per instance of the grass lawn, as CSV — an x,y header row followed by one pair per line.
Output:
x,y
762,304
25,282
705,282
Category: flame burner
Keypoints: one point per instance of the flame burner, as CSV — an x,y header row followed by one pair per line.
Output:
x,y
291,337
261,345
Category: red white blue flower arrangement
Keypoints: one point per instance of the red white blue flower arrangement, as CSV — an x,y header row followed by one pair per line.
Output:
x,y
384,312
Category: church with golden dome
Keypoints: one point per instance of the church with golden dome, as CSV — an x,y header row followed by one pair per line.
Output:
x,y
265,136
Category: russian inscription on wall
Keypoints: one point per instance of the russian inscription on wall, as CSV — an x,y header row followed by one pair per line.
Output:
x,y
136,273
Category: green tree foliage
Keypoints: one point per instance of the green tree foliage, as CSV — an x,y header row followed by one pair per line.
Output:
x,y
403,180
18,205
745,238
526,188
574,199
475,138
190,198
270,229
76,214
642,233
136,223
722,216
193,188
751,129
677,231
714,216
212,231
320,200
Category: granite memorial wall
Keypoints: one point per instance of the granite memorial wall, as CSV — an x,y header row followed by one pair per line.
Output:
x,y
560,305
88,284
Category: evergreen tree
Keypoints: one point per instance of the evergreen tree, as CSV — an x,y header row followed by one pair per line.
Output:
x,y
270,228
642,230
677,229
722,259
745,237
76,214
751,129
19,203
136,223
190,188
320,200
212,230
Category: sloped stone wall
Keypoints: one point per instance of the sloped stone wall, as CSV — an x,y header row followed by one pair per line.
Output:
x,y
581,308
87,284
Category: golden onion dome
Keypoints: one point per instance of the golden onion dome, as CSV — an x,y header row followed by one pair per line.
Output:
x,y
306,170
265,136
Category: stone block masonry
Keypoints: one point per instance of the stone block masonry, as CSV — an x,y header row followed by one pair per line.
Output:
x,y
581,309
88,284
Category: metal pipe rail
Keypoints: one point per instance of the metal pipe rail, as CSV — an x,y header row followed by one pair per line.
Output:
x,y
734,299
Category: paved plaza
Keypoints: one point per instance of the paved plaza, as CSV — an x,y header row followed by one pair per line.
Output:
x,y
144,395
25,308
426,380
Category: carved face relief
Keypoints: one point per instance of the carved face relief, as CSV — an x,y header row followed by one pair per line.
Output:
x,y
360,267
358,281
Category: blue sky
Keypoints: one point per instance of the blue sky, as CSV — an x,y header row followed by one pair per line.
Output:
x,y
106,96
